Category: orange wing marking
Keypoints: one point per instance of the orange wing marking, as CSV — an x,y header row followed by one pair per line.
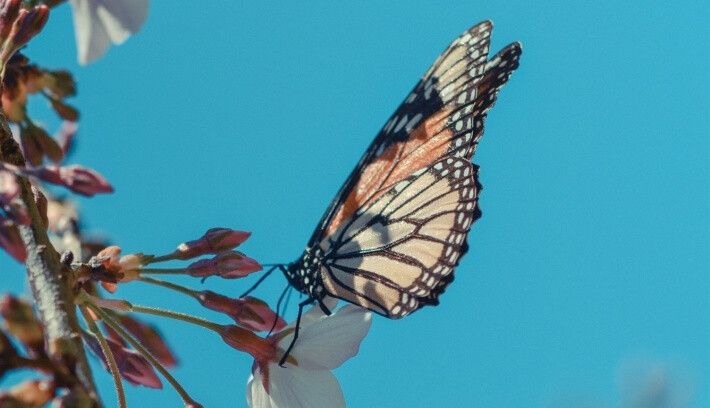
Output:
x,y
426,143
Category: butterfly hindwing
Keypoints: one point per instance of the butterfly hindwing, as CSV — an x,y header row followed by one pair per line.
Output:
x,y
393,256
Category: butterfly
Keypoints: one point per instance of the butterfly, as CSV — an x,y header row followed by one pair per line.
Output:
x,y
394,233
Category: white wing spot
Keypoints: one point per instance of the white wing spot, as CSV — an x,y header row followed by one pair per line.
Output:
x,y
400,186
401,123
413,122
389,124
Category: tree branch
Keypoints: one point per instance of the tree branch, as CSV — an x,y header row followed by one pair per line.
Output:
x,y
49,279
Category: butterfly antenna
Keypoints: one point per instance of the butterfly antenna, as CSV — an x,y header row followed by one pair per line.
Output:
x,y
298,326
261,279
278,308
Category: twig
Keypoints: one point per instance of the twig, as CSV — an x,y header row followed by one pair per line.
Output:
x,y
49,279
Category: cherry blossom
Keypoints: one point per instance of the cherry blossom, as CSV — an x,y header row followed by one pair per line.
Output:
x,y
98,23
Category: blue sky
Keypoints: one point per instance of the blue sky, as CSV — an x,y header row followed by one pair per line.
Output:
x,y
591,260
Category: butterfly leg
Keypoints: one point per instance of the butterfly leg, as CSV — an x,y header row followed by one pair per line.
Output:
x,y
324,308
278,308
255,285
295,333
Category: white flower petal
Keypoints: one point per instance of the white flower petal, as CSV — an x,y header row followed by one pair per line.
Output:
x,y
314,314
327,343
256,394
97,23
92,41
293,387
121,18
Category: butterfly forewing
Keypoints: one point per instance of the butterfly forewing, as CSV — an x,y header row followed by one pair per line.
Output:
x,y
415,232
419,131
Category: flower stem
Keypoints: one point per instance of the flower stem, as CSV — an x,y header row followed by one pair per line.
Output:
x,y
169,285
108,354
180,271
217,328
163,258
136,345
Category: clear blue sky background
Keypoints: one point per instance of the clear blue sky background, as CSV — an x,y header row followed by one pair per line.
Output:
x,y
592,255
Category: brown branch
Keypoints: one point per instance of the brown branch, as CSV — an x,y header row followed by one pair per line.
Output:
x,y
49,279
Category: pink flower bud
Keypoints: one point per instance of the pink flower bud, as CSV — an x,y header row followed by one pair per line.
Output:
x,y
215,240
78,179
27,24
21,323
228,264
9,9
148,336
131,365
11,241
242,339
248,312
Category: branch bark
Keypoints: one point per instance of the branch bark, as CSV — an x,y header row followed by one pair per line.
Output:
x,y
49,279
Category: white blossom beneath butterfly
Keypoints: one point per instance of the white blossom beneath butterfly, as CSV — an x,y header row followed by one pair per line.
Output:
x,y
324,343
98,23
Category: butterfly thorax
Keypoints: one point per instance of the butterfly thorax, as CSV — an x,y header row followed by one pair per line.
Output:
x,y
305,274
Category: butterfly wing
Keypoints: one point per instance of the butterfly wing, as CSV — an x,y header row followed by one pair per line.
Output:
x,y
378,257
398,254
